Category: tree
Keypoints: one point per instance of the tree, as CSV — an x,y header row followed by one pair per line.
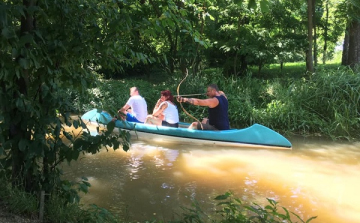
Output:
x,y
283,22
345,53
354,44
351,51
309,55
47,48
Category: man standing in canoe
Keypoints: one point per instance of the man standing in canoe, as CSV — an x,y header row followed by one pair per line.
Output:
x,y
138,107
217,104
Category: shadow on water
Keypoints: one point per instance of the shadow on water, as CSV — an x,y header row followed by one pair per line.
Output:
x,y
316,178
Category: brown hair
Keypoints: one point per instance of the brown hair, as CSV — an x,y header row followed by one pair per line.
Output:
x,y
168,95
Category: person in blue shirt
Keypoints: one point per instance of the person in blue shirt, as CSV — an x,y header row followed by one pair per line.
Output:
x,y
218,107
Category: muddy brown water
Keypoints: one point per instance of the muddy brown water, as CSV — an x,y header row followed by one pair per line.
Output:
x,y
153,181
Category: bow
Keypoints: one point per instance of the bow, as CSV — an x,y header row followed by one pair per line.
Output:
x,y
178,93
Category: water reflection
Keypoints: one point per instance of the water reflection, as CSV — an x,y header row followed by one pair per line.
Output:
x,y
151,181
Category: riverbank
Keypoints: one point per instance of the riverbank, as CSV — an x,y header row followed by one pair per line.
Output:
x,y
7,217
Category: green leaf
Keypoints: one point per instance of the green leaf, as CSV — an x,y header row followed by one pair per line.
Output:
x,y
298,217
28,38
78,144
238,200
36,148
38,34
76,124
165,58
14,53
264,6
83,124
67,135
272,202
6,33
23,144
222,197
287,213
66,187
310,219
126,147
110,126
238,2
57,129
116,145
24,63
225,202
75,154
252,4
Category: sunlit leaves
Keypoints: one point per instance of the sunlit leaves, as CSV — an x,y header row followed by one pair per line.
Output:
x,y
231,211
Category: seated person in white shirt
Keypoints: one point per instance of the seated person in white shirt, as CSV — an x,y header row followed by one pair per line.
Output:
x,y
138,111
165,112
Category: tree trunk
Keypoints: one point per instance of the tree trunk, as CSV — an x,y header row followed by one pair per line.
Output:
x,y
314,28
259,68
20,175
243,65
354,44
309,57
345,53
326,31
235,62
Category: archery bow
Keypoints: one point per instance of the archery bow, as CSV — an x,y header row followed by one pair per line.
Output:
x,y
178,92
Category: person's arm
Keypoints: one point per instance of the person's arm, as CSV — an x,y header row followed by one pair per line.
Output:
x,y
210,102
160,109
157,105
222,93
124,108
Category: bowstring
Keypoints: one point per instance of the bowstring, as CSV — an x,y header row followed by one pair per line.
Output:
x,y
178,92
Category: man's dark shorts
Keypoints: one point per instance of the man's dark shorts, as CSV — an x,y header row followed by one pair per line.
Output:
x,y
165,123
206,126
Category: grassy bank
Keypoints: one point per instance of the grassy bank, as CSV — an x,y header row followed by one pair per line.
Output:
x,y
325,103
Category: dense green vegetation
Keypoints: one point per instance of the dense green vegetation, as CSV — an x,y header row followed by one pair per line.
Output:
x,y
324,103
51,53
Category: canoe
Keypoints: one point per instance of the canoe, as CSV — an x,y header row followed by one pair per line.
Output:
x,y
255,136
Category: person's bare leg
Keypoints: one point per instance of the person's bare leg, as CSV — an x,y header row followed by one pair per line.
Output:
x,y
152,120
193,125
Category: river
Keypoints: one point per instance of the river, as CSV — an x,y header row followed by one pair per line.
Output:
x,y
150,181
